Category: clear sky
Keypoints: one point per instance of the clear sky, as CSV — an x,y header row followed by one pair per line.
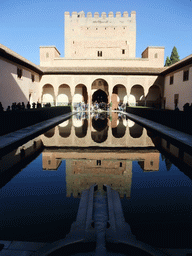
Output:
x,y
27,24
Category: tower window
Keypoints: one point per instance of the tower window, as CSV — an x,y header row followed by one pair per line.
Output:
x,y
47,55
32,77
186,75
98,162
120,164
99,53
155,55
123,51
19,72
171,80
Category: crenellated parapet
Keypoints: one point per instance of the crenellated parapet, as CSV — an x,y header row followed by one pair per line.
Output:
x,y
97,15
100,35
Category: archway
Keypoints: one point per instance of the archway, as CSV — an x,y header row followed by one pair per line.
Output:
x,y
118,95
153,98
137,91
48,95
99,90
64,95
81,95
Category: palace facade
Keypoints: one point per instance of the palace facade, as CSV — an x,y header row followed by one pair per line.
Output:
x,y
99,65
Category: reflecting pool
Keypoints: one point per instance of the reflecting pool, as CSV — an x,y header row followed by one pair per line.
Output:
x,y
42,181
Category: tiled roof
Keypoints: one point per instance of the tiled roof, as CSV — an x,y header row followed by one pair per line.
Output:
x,y
13,56
180,64
103,70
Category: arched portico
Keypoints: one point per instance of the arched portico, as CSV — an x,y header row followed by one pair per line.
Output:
x,y
48,95
80,95
64,95
119,95
153,97
99,91
137,95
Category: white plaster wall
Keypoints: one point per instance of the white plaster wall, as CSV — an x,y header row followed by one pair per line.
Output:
x,y
14,89
183,88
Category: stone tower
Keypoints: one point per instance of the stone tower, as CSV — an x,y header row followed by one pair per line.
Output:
x,y
100,37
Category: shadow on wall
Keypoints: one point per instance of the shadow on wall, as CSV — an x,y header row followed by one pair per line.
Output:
x,y
10,91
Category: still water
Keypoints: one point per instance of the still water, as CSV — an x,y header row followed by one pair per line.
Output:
x,y
44,179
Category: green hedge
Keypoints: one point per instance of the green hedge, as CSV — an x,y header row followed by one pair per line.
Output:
x,y
178,120
11,121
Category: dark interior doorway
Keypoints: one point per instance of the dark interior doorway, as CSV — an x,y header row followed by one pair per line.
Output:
x,y
100,96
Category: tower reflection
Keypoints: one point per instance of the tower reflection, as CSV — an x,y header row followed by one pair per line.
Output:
x,y
101,153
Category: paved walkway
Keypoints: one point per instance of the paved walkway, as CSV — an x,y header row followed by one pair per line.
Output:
x,y
12,140
180,137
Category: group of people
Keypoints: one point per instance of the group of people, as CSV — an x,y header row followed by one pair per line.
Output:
x,y
121,106
20,106
96,106
81,106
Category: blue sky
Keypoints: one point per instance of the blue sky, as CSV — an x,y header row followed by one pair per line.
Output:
x,y
27,24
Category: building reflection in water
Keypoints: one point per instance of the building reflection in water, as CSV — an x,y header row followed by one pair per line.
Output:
x,y
99,150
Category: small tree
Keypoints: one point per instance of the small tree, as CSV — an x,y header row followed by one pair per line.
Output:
x,y
174,56
167,62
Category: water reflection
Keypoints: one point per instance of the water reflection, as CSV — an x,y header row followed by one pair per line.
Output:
x,y
136,131
103,165
98,130
65,128
90,166
120,129
101,149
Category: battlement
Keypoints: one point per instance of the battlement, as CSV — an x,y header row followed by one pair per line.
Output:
x,y
96,15
100,36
